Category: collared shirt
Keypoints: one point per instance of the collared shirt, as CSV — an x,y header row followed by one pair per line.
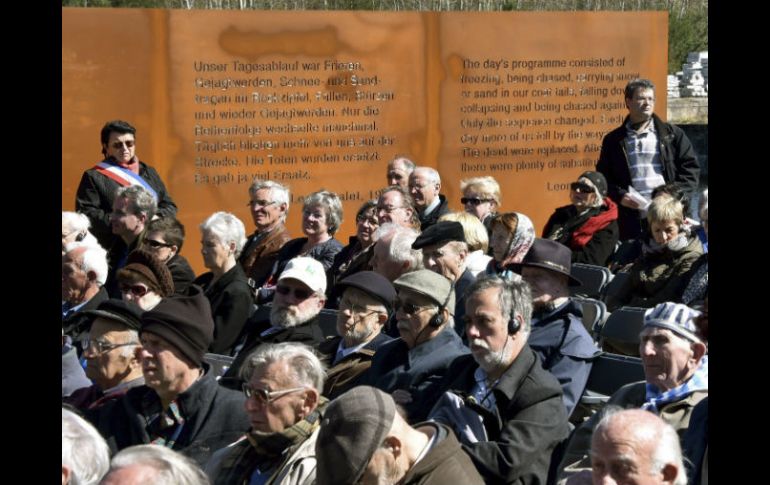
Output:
x,y
343,352
436,202
481,392
644,159
67,310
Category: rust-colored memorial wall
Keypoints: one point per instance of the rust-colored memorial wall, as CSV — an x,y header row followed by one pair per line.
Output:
x,y
325,99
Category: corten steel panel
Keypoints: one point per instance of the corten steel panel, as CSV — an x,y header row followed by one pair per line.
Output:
x,y
411,72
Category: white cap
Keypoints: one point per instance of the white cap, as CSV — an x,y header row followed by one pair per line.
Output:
x,y
308,271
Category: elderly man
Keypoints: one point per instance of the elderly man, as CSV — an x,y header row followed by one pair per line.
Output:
x,y
74,228
399,170
110,352
269,205
676,378
85,457
363,439
366,305
132,210
164,238
410,366
299,298
444,251
120,167
424,187
633,446
144,464
283,385
505,408
393,255
642,154
181,406
558,334
397,206
83,273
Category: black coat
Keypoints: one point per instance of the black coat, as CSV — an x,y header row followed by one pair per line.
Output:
x,y
309,333
565,220
76,324
214,418
528,423
231,305
181,273
96,193
350,371
432,218
677,156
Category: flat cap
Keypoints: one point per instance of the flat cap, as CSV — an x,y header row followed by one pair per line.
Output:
x,y
443,231
431,284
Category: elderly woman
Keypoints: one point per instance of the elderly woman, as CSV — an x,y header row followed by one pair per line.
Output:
x,y
481,197
588,226
226,286
321,218
74,227
475,237
356,255
512,236
144,280
668,252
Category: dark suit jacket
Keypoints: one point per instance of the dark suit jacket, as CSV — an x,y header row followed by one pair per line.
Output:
x,y
348,372
258,258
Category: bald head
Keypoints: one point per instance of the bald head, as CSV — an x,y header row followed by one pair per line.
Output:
x,y
636,447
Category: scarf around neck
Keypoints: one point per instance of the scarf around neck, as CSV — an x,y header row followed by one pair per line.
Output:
x,y
699,381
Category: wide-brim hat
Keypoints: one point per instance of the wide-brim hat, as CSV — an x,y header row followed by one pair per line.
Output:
x,y
551,255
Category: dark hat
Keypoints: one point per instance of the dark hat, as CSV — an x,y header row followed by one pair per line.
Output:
x,y
597,178
373,284
353,427
431,284
184,321
118,311
552,255
151,268
442,231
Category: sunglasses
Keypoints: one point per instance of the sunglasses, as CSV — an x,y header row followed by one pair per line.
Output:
x,y
299,293
581,188
266,397
137,290
118,144
156,244
473,200
409,308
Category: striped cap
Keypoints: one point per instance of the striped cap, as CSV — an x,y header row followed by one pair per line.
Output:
x,y
675,317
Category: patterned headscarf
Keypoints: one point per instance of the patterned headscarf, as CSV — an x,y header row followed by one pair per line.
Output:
x,y
521,241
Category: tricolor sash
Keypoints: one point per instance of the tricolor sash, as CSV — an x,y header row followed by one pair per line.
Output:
x,y
124,177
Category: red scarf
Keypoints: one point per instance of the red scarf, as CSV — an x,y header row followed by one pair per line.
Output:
x,y
584,233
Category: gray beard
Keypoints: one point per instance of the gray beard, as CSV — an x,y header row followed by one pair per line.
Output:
x,y
288,317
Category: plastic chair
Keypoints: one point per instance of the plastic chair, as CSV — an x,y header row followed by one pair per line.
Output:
x,y
594,279
620,333
594,315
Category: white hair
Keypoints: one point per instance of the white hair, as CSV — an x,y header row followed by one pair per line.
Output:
x,y
75,221
400,249
278,192
94,258
305,366
172,467
83,450
429,173
226,228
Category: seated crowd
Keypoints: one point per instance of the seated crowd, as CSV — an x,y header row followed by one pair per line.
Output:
x,y
435,347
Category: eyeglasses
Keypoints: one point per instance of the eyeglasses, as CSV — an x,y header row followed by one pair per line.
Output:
x,y
259,203
371,220
137,290
581,188
355,309
409,308
156,244
99,346
118,144
299,293
473,200
264,396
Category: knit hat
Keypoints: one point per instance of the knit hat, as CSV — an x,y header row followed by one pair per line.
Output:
x,y
120,311
431,284
373,284
675,317
185,321
308,271
596,178
353,427
152,269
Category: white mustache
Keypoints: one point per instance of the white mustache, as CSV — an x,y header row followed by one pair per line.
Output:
x,y
480,343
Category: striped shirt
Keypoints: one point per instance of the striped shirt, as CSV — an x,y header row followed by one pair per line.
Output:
x,y
644,159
